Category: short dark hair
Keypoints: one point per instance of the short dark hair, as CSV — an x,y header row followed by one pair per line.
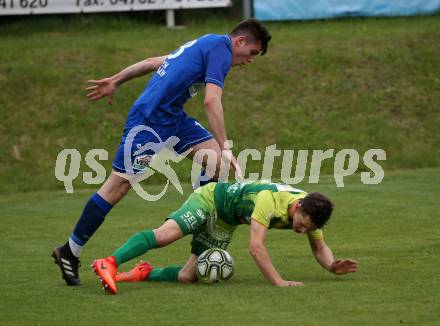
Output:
x,y
255,31
318,207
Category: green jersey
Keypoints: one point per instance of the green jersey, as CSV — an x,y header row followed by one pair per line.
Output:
x,y
236,203
213,211
267,203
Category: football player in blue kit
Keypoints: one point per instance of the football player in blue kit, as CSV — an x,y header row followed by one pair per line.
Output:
x,y
158,113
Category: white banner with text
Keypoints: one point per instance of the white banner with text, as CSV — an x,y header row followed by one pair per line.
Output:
x,y
27,7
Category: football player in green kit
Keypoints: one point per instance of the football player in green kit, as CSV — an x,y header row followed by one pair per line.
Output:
x,y
211,214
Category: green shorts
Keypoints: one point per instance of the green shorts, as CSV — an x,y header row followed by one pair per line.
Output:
x,y
198,216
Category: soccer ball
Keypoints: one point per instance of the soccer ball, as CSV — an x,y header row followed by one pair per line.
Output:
x,y
214,265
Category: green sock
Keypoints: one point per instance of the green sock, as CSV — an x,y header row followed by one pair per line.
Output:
x,y
137,245
166,274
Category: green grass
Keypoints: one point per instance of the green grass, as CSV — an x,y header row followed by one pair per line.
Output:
x,y
361,83
392,229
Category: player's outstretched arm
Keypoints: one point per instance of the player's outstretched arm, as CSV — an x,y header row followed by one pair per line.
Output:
x,y
107,87
261,256
324,257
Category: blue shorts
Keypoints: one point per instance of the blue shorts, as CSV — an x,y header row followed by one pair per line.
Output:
x,y
143,138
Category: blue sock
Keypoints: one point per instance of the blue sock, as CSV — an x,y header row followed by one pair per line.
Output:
x,y
92,217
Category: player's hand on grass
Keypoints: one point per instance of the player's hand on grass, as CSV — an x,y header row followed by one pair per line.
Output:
x,y
343,266
101,88
286,284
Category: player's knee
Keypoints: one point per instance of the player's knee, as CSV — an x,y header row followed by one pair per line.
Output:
x,y
115,195
162,236
114,189
167,233
122,190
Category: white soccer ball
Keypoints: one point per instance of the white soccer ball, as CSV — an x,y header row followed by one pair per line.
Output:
x,y
214,265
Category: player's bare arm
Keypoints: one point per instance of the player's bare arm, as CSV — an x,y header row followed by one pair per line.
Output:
x,y
214,113
261,256
108,86
324,257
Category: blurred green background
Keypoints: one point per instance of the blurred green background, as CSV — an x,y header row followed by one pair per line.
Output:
x,y
351,83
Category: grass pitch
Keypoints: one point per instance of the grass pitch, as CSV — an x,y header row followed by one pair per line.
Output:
x,y
392,229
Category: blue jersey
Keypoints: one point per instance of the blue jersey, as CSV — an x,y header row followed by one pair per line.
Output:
x,y
185,71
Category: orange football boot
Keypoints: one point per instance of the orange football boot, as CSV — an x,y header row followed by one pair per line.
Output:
x,y
106,269
139,273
